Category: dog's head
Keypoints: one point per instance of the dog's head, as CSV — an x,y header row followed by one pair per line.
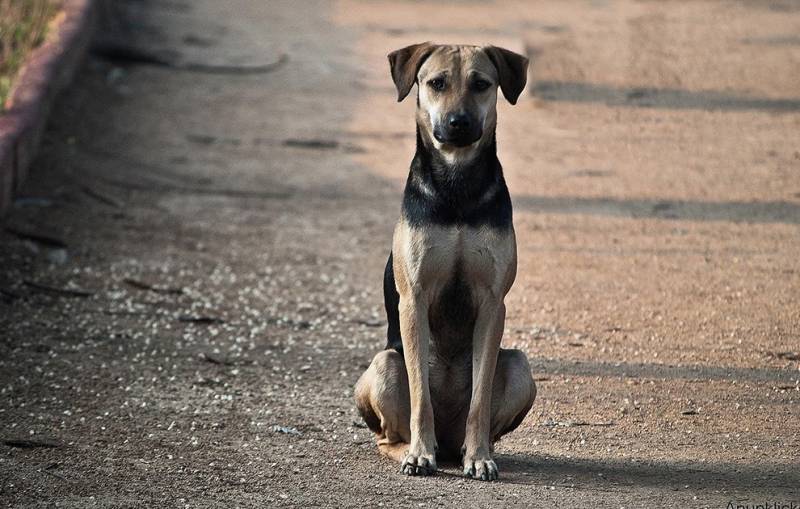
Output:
x,y
457,92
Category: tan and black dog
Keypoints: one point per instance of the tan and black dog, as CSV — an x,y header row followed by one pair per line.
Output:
x,y
443,385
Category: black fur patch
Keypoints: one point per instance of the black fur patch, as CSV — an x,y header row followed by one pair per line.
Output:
x,y
391,300
452,318
473,195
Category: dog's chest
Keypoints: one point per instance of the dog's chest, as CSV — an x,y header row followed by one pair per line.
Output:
x,y
455,269
437,259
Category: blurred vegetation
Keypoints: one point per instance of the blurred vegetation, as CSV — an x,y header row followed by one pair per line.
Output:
x,y
23,26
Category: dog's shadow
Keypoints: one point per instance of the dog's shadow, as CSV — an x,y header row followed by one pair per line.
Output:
x,y
600,475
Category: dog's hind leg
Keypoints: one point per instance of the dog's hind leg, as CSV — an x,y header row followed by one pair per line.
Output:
x,y
395,451
382,398
513,392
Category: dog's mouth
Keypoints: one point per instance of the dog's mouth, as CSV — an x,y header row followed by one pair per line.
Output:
x,y
456,138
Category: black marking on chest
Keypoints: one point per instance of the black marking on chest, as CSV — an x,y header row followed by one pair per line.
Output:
x,y
452,317
473,195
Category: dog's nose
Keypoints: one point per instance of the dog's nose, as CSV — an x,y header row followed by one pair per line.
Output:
x,y
458,121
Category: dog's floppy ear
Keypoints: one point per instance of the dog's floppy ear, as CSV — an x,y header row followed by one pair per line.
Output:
x,y
405,63
512,69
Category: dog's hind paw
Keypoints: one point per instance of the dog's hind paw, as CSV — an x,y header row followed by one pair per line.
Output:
x,y
483,469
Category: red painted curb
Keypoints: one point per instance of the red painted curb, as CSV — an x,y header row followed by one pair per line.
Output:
x,y
48,69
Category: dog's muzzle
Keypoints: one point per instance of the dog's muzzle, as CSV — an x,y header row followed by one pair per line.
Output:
x,y
458,129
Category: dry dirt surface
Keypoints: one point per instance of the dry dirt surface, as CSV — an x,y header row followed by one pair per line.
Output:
x,y
191,278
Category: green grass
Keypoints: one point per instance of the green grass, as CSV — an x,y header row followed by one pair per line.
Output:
x,y
23,26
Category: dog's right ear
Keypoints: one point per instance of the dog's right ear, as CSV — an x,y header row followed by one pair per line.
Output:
x,y
405,63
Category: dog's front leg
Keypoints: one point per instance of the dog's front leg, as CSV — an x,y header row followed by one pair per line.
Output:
x,y
478,462
415,334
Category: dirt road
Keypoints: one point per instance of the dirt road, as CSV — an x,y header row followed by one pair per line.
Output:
x,y
229,230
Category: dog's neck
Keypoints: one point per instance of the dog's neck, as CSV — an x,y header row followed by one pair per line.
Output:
x,y
452,191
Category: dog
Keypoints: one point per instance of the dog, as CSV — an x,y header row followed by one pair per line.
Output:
x,y
443,385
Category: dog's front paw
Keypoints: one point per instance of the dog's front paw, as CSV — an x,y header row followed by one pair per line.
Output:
x,y
484,469
419,460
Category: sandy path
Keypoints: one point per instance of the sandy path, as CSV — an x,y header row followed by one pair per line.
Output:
x,y
654,171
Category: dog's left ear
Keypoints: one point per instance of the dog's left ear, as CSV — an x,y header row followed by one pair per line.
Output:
x,y
512,68
405,63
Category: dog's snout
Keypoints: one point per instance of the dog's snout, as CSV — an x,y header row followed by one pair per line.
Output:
x,y
458,128
459,121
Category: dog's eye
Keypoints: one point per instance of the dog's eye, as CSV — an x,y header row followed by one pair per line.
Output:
x,y
480,85
437,84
